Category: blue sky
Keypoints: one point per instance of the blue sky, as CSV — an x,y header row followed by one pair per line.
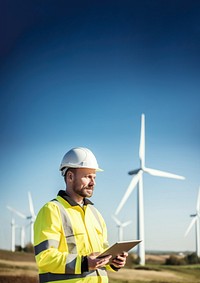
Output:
x,y
82,74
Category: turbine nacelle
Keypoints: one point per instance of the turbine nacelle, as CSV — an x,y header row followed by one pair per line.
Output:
x,y
193,215
134,172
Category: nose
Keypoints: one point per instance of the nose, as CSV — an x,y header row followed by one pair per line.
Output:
x,y
92,181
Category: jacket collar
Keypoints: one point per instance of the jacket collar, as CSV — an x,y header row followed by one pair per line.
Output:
x,y
65,196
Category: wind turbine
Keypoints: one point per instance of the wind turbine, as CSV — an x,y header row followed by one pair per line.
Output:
x,y
13,228
120,226
138,180
31,216
13,233
196,221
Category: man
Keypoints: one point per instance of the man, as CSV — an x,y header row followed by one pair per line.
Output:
x,y
69,232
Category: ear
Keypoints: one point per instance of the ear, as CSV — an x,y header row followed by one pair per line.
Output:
x,y
70,176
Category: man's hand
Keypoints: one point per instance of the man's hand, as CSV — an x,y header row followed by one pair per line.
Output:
x,y
120,260
94,262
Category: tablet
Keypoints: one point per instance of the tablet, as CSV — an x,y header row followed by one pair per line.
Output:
x,y
119,247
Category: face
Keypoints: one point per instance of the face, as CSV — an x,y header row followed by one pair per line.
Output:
x,y
82,182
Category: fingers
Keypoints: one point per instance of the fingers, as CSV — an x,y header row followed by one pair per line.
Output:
x,y
94,263
120,260
103,261
124,255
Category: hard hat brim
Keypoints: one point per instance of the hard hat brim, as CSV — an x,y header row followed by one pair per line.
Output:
x,y
64,169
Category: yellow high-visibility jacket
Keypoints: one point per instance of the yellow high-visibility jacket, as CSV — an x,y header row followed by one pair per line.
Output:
x,y
64,234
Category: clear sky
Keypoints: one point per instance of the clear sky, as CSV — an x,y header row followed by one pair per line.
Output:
x,y
81,73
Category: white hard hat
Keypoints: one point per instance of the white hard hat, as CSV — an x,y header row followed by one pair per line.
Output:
x,y
79,157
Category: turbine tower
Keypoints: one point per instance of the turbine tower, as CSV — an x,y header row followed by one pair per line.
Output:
x,y
196,221
13,226
30,217
138,180
120,226
22,237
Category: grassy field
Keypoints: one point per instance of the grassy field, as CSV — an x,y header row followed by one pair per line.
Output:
x,y
21,268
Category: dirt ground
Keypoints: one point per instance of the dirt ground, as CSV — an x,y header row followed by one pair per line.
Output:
x,y
146,276
19,264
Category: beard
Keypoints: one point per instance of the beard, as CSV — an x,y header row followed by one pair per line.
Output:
x,y
84,191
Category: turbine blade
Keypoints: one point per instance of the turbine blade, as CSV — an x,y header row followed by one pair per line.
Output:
x,y
31,205
142,142
129,190
198,202
126,223
116,220
159,173
190,226
16,212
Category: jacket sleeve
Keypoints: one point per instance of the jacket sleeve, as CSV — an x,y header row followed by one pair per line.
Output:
x,y
50,252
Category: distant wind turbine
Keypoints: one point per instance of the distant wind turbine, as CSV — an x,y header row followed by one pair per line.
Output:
x,y
13,234
196,220
120,226
31,216
14,226
138,180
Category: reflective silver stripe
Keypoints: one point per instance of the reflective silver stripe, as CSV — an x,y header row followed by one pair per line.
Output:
x,y
95,213
67,226
46,245
101,271
71,264
70,239
50,277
